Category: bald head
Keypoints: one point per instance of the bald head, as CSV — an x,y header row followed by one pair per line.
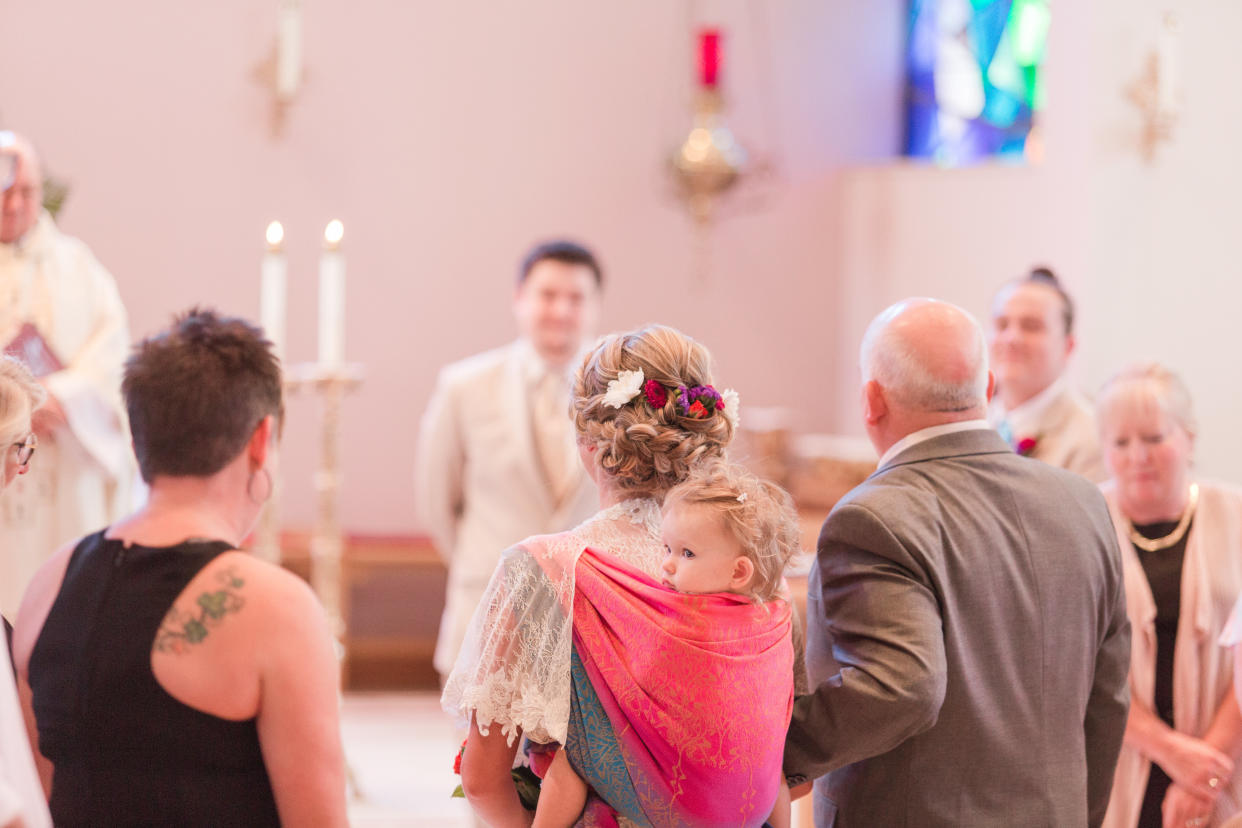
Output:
x,y
21,203
929,357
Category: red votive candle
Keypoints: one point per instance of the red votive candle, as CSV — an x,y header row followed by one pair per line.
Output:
x,y
709,57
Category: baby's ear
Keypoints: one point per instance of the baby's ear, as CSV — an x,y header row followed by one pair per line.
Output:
x,y
743,572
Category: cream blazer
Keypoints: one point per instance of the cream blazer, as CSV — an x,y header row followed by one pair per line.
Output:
x,y
1069,437
1202,669
479,484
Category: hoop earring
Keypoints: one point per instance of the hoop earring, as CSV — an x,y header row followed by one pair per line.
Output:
x,y
259,501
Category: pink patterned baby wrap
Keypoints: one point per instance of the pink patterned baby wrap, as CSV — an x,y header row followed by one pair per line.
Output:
x,y
698,690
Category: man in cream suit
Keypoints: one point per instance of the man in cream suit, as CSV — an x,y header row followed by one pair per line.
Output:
x,y
497,457
967,640
1035,409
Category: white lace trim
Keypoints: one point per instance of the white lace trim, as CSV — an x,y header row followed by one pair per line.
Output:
x,y
513,670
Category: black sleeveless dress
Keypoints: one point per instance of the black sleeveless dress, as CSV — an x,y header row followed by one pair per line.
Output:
x,y
1163,569
127,753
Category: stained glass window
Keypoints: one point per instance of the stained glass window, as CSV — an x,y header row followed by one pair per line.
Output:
x,y
974,83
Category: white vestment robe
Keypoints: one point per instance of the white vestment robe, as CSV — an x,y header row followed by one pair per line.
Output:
x,y
80,477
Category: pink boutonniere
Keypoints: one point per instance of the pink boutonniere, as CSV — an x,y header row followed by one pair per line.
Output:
x,y
1026,445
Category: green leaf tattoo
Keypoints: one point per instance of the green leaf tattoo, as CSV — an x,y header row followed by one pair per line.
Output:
x,y
181,629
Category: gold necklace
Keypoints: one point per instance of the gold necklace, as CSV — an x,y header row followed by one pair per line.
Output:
x,y
1179,531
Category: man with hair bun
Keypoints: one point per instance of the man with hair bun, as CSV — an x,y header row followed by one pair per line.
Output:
x,y
496,458
1035,409
967,641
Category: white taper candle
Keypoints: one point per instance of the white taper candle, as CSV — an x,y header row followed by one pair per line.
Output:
x,y
272,289
332,296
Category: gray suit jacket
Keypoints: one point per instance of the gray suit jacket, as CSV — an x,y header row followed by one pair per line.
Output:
x,y
967,645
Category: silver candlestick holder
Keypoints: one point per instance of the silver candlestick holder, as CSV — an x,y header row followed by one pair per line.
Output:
x,y
331,383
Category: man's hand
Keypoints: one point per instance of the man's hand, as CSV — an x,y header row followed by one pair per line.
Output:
x,y
799,791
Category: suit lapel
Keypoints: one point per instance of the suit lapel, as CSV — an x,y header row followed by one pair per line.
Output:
x,y
1055,416
516,402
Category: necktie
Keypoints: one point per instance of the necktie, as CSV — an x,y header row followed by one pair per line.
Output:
x,y
552,428
1006,432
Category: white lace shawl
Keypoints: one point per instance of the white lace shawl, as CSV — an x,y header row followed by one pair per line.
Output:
x,y
514,665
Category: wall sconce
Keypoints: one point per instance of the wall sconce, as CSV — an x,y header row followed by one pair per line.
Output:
x,y
282,70
1155,92
710,160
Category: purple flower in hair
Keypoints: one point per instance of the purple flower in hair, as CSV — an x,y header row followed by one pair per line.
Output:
x,y
699,401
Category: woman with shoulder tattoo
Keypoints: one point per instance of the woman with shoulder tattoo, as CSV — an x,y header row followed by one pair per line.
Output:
x,y
174,679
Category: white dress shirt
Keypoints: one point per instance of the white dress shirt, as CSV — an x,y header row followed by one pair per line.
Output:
x,y
925,434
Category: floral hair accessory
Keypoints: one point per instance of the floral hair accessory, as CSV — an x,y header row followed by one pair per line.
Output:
x,y
741,498
657,395
698,402
732,407
624,388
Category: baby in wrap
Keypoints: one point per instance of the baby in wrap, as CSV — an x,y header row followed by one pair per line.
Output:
x,y
728,667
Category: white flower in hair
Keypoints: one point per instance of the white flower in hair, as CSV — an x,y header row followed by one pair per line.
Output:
x,y
627,386
732,407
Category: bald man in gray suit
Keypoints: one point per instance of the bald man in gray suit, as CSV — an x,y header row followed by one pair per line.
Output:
x,y
967,639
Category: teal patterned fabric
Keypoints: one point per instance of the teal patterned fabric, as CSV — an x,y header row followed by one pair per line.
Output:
x,y
595,753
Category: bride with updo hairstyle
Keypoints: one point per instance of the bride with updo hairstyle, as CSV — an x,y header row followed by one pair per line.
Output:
x,y
646,415
642,450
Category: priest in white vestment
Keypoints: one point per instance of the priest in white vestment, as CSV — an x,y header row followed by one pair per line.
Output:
x,y
52,284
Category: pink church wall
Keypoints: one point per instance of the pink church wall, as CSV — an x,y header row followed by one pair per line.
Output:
x,y
1147,247
448,137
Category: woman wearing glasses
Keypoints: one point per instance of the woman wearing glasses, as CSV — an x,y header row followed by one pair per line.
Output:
x,y
18,459
21,393
21,797
174,679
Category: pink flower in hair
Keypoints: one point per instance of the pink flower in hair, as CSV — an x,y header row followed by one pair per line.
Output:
x,y
657,395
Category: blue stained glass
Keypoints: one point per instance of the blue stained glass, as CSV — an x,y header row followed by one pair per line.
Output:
x,y
921,126
1002,109
1006,39
921,51
987,25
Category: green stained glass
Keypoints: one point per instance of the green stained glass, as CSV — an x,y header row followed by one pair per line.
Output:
x,y
1036,89
1028,29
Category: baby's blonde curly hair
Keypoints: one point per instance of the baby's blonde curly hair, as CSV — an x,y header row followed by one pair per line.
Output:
x,y
640,450
760,515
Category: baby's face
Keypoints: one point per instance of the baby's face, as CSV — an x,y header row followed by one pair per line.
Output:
x,y
700,554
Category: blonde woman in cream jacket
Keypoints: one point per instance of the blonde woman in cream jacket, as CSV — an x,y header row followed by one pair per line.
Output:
x,y
1181,550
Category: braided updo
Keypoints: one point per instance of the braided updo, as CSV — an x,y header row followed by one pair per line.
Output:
x,y
641,450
